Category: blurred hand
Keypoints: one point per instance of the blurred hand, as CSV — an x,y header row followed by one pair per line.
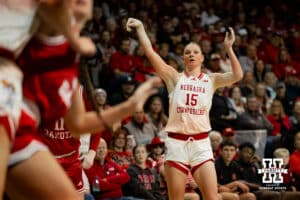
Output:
x,y
243,187
222,188
255,159
88,159
144,91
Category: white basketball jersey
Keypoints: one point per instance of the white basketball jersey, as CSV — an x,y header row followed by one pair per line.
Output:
x,y
190,102
16,18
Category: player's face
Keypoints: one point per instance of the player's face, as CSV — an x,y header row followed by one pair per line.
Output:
x,y
192,56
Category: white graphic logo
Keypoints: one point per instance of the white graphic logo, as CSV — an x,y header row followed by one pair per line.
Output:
x,y
272,170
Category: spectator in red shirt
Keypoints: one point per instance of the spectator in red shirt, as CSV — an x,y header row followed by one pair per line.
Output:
x,y
111,175
278,118
118,152
281,127
121,61
285,64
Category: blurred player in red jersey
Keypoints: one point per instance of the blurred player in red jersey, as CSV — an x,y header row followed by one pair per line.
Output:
x,y
16,27
51,87
65,148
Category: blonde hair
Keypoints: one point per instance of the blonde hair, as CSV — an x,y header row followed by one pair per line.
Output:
x,y
279,152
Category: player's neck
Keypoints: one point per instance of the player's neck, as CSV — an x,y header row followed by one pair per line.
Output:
x,y
193,72
46,30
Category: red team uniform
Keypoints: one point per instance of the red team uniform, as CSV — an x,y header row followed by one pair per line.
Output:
x,y
46,78
15,23
66,150
50,72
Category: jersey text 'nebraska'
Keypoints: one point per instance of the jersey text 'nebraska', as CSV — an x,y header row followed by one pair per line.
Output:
x,y
192,88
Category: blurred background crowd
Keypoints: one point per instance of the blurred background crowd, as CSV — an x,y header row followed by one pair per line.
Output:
x,y
265,105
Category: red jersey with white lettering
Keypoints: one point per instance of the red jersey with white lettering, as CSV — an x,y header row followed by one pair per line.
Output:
x,y
59,139
190,102
65,149
50,77
50,72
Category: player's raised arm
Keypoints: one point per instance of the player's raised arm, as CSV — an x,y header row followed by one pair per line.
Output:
x,y
166,72
236,75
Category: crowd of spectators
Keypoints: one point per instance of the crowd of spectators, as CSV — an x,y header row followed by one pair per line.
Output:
x,y
267,98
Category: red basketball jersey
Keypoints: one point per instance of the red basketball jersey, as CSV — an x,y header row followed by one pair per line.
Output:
x,y
50,75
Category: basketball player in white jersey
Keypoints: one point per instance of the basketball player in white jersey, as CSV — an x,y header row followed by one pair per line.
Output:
x,y
190,95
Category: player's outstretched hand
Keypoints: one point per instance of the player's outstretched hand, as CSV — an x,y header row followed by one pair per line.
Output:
x,y
133,23
144,91
229,38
